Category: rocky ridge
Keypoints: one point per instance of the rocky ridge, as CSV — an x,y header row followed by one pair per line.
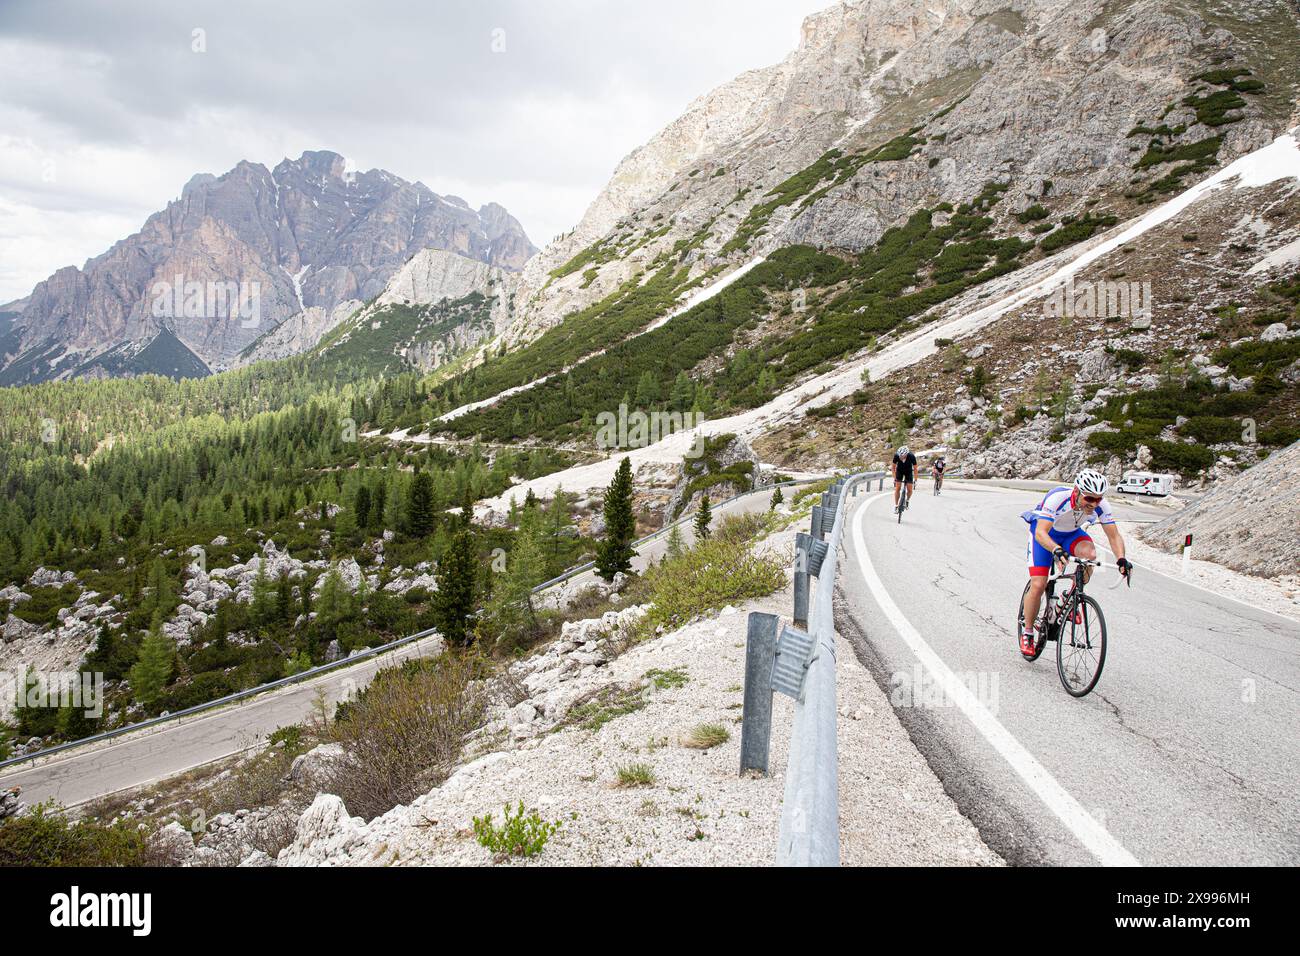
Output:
x,y
1022,93
308,234
1248,523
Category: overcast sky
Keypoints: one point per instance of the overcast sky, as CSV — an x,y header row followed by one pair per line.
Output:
x,y
107,109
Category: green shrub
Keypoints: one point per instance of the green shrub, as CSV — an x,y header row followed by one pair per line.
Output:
x,y
1201,153
706,736
519,834
710,575
1279,436
1131,359
45,836
1211,430
1213,110
606,704
43,609
1076,231
1175,456
402,734
1032,214
664,680
635,775
1254,357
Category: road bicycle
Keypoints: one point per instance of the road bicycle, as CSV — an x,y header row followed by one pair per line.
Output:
x,y
938,483
1075,622
902,502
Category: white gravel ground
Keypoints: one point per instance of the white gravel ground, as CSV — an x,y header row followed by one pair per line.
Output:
x,y
1280,595
698,811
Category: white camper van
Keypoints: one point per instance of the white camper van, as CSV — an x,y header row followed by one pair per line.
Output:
x,y
1146,483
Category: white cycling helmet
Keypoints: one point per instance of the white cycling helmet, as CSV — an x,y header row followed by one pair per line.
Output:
x,y
1091,482
904,452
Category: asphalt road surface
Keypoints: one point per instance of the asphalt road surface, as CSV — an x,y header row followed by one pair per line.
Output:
x,y
1187,751
134,760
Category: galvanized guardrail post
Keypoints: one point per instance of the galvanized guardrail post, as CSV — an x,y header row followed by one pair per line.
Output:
x,y
756,724
802,545
776,660
800,661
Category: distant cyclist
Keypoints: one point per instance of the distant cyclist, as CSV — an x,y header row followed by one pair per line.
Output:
x,y
904,468
1056,530
938,469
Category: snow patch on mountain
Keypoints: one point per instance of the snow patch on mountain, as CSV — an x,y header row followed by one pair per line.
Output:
x,y
1278,160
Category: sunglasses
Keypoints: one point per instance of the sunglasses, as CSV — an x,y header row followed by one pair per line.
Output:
x,y
1091,499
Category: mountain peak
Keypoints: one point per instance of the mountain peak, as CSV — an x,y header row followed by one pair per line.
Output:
x,y
322,162
249,249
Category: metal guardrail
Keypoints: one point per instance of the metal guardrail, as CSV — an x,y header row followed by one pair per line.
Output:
x,y
357,658
799,661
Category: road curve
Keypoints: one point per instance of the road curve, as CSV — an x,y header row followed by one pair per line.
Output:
x,y
133,760
1187,752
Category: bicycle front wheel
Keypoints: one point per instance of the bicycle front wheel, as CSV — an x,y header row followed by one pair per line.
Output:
x,y
1081,647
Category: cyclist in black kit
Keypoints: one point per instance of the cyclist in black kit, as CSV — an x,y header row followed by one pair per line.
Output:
x,y
904,468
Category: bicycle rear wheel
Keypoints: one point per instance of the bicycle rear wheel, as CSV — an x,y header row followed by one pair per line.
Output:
x,y
1081,647
1020,629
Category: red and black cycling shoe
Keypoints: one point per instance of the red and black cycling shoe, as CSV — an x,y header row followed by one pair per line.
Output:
x,y
1028,643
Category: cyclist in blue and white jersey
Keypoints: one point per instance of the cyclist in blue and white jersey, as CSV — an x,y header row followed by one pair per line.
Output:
x,y
1057,529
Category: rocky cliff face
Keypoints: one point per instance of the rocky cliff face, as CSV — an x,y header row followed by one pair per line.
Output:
x,y
298,333
1247,523
434,275
237,255
437,306
926,102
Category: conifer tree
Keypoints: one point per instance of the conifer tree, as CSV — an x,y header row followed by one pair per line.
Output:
x,y
150,674
453,603
615,552
420,512
559,526
333,604
703,518
284,604
263,596
380,503
361,505
676,546
510,613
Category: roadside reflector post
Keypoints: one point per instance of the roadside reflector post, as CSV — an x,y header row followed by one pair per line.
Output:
x,y
1187,554
756,718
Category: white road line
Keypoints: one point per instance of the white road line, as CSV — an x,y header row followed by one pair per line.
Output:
x,y
1036,777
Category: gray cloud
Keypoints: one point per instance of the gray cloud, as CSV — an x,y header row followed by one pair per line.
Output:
x,y
114,96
